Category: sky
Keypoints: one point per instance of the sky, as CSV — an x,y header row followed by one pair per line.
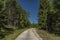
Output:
x,y
32,7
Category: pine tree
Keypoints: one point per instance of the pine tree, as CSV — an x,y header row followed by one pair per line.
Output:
x,y
12,16
57,8
2,19
42,15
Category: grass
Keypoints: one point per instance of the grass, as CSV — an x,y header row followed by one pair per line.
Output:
x,y
47,36
14,35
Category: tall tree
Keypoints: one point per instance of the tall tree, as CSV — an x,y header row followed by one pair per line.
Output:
x,y
42,15
23,19
2,18
11,16
57,8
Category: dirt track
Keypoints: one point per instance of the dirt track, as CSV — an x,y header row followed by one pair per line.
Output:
x,y
29,34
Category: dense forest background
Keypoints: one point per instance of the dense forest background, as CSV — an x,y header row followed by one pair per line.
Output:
x,y
13,16
49,16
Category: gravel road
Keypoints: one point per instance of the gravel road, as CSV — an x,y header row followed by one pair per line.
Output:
x,y
29,34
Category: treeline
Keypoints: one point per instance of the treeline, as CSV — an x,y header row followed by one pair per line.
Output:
x,y
49,16
12,16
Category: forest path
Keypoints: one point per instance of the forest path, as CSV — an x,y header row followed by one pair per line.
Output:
x,y
29,34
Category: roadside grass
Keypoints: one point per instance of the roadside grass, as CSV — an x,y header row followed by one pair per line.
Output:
x,y
47,36
14,34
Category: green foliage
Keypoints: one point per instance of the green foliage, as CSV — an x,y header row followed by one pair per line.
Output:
x,y
2,20
42,15
23,19
12,16
49,16
57,8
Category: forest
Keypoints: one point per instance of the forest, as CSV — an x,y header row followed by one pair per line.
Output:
x,y
14,17
49,16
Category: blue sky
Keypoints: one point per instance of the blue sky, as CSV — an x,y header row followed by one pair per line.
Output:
x,y
32,7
